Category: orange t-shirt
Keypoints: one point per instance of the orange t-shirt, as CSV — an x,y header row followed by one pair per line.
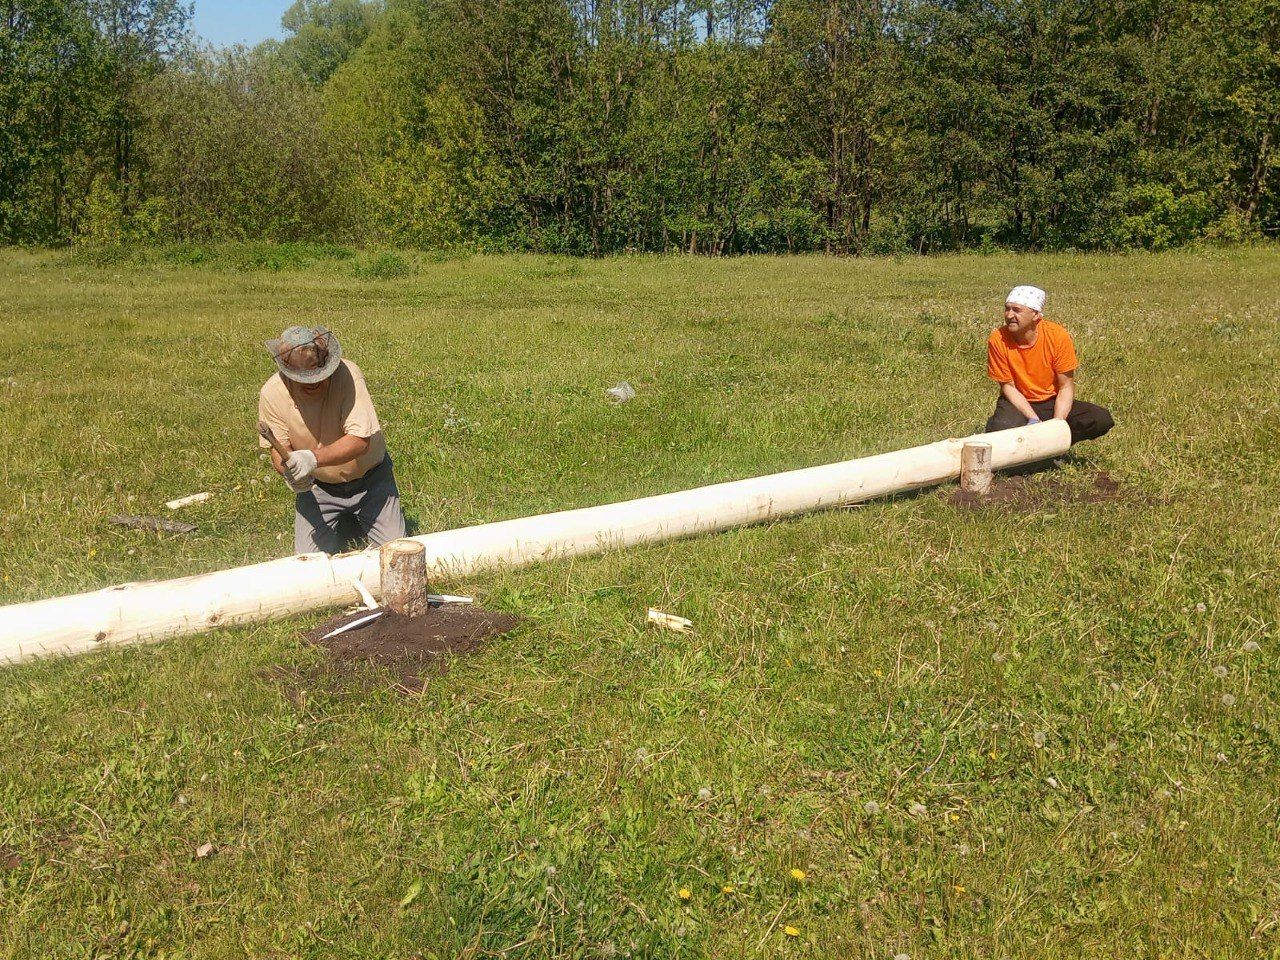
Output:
x,y
1034,369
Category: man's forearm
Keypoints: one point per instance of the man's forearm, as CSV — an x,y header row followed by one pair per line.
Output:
x,y
1020,403
1062,403
340,451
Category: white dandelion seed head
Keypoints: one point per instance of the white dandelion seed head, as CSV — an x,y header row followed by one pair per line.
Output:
x,y
1220,671
962,849
1051,781
1228,700
1250,646
764,790
704,793
997,657
551,871
871,807
642,755
1040,737
1201,608
902,956
993,626
918,809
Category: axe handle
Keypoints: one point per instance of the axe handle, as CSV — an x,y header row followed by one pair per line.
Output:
x,y
269,435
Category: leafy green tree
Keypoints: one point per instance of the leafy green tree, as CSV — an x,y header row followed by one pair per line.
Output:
x,y
233,146
49,68
323,34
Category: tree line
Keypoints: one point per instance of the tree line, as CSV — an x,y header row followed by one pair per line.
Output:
x,y
598,126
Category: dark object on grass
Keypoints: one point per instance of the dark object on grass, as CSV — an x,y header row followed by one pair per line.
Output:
x,y
413,645
1046,493
158,524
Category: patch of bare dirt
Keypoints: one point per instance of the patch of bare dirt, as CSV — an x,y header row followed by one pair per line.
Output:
x,y
1037,492
9,858
412,646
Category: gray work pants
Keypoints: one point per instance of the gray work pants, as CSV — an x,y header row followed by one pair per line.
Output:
x,y
372,501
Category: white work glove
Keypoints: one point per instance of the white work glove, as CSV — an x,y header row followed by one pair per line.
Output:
x,y
298,469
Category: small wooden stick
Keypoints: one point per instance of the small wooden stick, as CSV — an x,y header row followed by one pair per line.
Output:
x,y
269,435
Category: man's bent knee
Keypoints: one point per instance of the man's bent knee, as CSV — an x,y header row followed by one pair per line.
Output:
x,y
1090,423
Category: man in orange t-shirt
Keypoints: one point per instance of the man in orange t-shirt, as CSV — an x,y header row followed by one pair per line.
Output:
x,y
1034,361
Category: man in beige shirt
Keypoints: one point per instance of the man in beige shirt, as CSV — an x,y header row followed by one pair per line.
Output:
x,y
320,410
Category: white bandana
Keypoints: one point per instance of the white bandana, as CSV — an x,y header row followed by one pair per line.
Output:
x,y
1032,297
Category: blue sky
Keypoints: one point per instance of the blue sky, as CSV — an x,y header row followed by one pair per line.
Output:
x,y
224,22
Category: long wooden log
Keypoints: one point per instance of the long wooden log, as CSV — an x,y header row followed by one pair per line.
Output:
x,y
140,612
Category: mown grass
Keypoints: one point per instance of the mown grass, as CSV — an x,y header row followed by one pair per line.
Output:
x,y
1047,733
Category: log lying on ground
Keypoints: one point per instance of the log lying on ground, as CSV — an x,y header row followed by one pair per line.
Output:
x,y
139,612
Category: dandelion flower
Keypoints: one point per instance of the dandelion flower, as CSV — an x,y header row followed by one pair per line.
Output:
x,y
871,807
1220,671
797,874
791,931
685,893
959,888
727,888
1228,700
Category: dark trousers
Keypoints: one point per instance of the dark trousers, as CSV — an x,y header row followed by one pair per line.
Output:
x,y
371,504
1087,421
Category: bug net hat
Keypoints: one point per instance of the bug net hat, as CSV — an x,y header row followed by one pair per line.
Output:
x,y
306,354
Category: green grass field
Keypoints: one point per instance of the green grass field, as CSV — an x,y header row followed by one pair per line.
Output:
x,y
1005,733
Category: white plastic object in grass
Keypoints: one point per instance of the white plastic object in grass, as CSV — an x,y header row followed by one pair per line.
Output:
x,y
188,501
669,621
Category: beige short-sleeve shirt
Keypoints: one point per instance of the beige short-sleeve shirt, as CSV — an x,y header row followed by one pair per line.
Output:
x,y
304,423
